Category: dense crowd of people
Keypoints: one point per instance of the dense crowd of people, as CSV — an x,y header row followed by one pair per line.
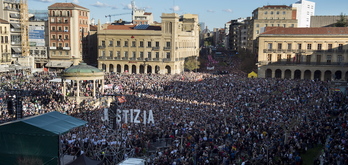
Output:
x,y
204,118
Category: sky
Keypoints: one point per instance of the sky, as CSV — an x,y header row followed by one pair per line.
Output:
x,y
214,14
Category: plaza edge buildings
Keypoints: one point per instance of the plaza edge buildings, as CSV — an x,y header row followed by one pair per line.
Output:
x,y
319,53
149,48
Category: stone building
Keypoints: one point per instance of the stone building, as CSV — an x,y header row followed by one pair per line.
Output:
x,y
304,53
149,48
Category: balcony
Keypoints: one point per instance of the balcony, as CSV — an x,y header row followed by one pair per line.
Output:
x,y
155,59
302,63
53,48
155,48
166,48
101,47
124,58
59,48
166,60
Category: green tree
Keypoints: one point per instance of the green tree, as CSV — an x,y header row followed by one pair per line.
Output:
x,y
191,63
342,22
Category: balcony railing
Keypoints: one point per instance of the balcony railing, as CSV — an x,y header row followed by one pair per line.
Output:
x,y
166,59
303,51
291,62
101,47
155,48
166,48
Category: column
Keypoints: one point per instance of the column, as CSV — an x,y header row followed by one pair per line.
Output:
x,y
145,68
78,88
102,86
292,74
94,88
64,89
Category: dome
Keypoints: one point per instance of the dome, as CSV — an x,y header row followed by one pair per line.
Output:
x,y
81,68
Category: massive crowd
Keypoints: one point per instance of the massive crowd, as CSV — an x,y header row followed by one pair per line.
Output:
x,y
204,118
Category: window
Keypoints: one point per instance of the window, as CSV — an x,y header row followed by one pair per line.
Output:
x,y
269,46
277,12
111,43
284,12
103,43
271,12
141,55
299,46
53,28
157,55
266,12
149,55
157,44
308,58
289,46
126,54
288,58
279,57
53,37
149,44
133,44
103,53
118,54
141,44
168,44
134,54
111,54
340,47
125,43
257,25
319,46
328,59
118,43
269,57
53,44
339,58
66,44
257,31
318,58
284,25
279,46
309,46
168,55
329,46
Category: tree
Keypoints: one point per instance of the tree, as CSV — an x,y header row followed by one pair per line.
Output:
x,y
191,63
342,22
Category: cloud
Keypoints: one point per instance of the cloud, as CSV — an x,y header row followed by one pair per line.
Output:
x,y
128,7
175,8
228,10
99,4
46,1
210,11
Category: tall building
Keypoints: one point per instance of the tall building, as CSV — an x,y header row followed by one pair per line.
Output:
x,y
305,9
38,41
149,48
238,34
5,47
270,15
68,26
140,17
304,53
16,13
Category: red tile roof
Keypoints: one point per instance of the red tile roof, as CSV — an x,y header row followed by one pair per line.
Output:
x,y
314,30
120,27
93,27
65,5
147,13
277,6
3,21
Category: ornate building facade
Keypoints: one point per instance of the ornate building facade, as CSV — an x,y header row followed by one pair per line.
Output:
x,y
304,53
149,48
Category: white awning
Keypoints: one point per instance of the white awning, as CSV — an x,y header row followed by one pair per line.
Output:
x,y
17,49
16,25
59,80
59,64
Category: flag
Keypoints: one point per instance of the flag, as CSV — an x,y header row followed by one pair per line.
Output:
x,y
121,99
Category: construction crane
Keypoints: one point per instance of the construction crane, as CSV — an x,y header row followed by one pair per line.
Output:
x,y
111,15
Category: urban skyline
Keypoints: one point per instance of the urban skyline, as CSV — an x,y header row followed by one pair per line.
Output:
x,y
214,16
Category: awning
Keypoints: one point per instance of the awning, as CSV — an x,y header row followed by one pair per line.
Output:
x,y
17,49
16,25
14,15
59,64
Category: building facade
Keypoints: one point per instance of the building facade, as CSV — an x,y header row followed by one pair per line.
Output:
x,y
305,9
269,16
68,26
238,34
326,20
149,49
5,46
38,42
16,13
304,53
